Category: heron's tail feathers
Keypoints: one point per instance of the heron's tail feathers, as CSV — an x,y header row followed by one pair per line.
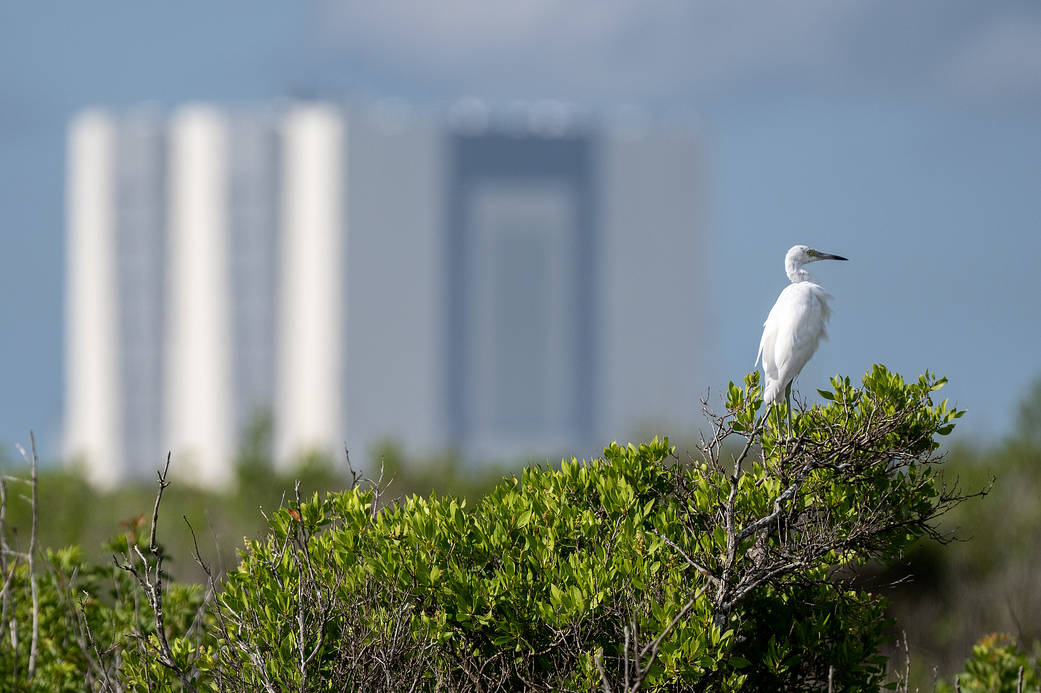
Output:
x,y
773,392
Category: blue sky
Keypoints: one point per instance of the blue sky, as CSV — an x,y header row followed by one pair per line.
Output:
x,y
905,136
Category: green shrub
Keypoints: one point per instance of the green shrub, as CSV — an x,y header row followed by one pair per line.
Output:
x,y
730,570
997,665
86,615
638,570
986,582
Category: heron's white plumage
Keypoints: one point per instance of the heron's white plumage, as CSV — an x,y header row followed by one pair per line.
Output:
x,y
796,324
793,330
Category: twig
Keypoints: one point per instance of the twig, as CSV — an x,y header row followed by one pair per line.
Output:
x,y
93,644
603,676
355,476
7,577
907,664
34,643
153,587
652,647
690,561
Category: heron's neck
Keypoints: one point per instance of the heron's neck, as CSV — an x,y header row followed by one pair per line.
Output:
x,y
797,273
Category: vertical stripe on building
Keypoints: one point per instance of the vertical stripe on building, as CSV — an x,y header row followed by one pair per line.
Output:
x,y
93,402
309,406
198,409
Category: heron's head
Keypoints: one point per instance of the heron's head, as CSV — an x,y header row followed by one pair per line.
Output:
x,y
802,254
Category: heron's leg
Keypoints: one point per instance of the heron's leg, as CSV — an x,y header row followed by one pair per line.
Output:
x,y
788,400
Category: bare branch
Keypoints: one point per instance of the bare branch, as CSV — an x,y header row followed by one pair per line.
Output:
x,y
690,561
100,666
651,649
31,459
151,582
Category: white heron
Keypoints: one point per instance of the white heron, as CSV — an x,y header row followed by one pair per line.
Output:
x,y
794,328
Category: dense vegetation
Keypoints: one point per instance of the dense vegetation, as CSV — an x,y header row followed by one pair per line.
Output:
x,y
743,566
978,596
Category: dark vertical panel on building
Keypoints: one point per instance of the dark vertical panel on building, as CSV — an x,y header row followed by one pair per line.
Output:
x,y
455,264
496,156
587,282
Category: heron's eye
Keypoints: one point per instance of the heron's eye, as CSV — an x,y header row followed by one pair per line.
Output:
x,y
811,252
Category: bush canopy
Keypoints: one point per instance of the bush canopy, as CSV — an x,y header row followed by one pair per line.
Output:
x,y
731,568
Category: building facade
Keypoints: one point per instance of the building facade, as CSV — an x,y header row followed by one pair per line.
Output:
x,y
498,288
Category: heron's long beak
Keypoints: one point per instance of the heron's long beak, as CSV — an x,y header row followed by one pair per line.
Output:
x,y
829,256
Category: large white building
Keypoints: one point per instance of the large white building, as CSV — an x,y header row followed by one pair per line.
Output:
x,y
502,287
